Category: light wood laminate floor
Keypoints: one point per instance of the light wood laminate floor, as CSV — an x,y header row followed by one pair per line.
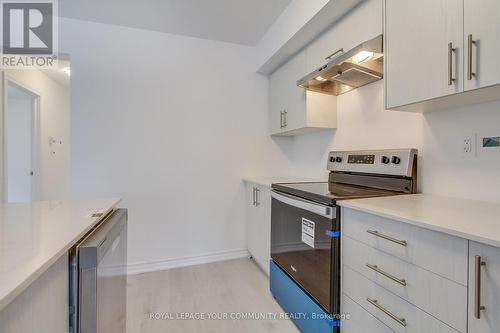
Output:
x,y
227,287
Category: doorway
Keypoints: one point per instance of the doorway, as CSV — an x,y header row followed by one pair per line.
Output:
x,y
21,122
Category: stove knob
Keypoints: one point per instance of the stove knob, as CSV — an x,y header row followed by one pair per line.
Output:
x,y
338,159
332,159
396,160
385,160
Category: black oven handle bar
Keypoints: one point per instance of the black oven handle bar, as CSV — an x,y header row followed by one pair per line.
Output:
x,y
313,207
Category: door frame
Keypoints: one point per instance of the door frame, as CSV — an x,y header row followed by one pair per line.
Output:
x,y
35,137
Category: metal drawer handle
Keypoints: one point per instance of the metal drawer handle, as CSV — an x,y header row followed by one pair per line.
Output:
x,y
389,238
451,49
387,275
375,303
470,74
477,302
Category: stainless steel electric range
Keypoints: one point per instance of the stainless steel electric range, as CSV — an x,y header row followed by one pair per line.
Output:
x,y
305,230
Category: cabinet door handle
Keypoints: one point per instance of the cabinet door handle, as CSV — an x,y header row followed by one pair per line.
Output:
x,y
281,119
387,275
253,196
331,56
257,197
285,121
477,301
375,303
470,74
389,238
451,49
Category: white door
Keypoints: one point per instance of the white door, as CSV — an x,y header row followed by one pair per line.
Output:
x,y
263,226
295,96
276,100
485,320
20,125
417,55
258,221
482,24
252,221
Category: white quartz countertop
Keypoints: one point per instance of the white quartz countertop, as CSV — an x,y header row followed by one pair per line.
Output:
x,y
268,181
34,236
474,220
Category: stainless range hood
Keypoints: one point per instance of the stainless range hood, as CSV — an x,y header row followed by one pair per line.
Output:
x,y
350,70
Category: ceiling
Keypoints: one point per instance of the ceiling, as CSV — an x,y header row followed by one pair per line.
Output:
x,y
235,21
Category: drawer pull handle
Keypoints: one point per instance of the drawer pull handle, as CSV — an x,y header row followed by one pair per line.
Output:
x,y
387,275
477,301
375,303
470,41
451,49
389,238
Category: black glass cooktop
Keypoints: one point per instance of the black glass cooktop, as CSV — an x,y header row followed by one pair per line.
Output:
x,y
329,192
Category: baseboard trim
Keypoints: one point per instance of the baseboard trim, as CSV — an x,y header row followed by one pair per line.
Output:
x,y
160,265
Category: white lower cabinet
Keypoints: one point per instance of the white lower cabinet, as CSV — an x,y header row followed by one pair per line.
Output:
x,y
484,288
360,321
258,221
393,311
409,278
436,252
42,307
426,290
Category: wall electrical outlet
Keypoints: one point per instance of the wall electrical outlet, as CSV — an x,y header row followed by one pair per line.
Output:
x,y
469,145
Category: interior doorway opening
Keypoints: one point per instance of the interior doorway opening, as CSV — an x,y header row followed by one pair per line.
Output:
x,y
21,124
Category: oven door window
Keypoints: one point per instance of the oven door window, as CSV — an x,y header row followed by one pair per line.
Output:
x,y
301,247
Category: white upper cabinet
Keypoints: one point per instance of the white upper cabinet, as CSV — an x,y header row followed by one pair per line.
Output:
x,y
441,54
482,48
484,288
292,109
362,24
423,50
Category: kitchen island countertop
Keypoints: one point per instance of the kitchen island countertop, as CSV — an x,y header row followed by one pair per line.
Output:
x,y
33,236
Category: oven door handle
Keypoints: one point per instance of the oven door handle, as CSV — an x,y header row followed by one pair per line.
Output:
x,y
313,207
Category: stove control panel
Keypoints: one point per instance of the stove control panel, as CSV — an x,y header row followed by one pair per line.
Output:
x,y
396,162
360,159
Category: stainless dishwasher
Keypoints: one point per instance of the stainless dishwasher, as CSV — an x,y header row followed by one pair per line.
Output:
x,y
98,278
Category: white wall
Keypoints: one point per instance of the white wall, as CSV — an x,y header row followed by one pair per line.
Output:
x,y
362,124
443,169
171,124
54,122
446,169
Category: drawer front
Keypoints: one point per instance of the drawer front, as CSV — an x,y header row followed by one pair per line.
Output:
x,y
393,311
441,297
360,320
442,254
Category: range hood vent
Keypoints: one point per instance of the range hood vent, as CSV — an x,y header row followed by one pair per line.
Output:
x,y
362,65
